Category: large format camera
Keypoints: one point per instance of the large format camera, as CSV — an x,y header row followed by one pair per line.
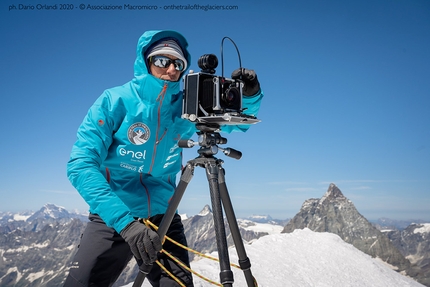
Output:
x,y
211,99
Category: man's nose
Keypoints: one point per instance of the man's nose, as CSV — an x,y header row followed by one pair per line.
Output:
x,y
171,68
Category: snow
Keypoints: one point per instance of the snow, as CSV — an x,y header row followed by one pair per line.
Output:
x,y
51,210
387,230
11,270
19,217
34,276
305,258
25,248
256,217
373,244
205,211
260,227
425,228
413,258
71,247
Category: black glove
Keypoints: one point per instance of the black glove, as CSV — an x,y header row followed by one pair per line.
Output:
x,y
144,242
250,81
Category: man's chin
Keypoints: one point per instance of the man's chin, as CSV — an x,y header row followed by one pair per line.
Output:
x,y
170,79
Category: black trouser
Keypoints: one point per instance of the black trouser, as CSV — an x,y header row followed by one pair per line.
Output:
x,y
103,254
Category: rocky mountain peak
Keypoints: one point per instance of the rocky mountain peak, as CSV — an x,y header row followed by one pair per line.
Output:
x,y
205,211
50,211
333,192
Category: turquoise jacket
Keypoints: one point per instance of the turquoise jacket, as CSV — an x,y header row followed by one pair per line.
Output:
x,y
126,157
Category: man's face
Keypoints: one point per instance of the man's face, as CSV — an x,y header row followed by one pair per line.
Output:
x,y
169,73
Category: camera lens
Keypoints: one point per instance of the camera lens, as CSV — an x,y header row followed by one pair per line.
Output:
x,y
208,62
231,95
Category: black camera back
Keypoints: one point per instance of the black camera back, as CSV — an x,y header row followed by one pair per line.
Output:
x,y
210,95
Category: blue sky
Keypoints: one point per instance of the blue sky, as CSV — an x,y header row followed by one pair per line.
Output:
x,y
347,99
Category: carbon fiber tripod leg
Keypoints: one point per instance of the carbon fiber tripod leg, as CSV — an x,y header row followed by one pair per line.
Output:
x,y
226,275
244,262
186,177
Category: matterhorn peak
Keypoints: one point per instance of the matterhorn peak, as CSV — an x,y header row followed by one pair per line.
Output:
x,y
336,214
333,192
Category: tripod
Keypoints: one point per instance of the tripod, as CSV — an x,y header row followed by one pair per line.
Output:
x,y
208,141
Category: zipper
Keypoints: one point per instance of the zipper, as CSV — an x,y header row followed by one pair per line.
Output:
x,y
162,136
158,138
107,175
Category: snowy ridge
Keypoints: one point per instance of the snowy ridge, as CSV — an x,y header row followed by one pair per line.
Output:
x,y
260,227
48,212
425,228
305,258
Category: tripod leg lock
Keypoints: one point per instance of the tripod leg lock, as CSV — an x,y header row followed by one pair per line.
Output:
x,y
143,268
245,264
226,277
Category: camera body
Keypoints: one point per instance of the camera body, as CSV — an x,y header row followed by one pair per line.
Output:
x,y
206,94
213,99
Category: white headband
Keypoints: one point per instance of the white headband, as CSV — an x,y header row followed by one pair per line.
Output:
x,y
168,47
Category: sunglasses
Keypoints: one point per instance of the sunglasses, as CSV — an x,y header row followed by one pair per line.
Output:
x,y
164,62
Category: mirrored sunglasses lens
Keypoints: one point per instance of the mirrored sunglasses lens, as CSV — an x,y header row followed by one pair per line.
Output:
x,y
179,65
161,62
164,62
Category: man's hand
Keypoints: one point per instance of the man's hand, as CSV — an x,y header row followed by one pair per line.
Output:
x,y
250,81
144,242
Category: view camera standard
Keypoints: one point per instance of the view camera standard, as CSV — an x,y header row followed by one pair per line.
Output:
x,y
213,99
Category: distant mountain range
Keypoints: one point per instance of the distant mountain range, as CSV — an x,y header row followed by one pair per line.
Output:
x,y
37,247
386,224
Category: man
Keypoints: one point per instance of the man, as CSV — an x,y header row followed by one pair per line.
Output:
x,y
125,161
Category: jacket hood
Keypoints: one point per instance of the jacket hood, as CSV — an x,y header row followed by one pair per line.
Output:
x,y
148,39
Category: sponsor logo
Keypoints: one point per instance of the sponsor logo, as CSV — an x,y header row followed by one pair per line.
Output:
x,y
136,155
138,133
128,166
172,149
172,156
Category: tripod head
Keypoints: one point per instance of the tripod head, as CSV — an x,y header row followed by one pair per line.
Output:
x,y
209,141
